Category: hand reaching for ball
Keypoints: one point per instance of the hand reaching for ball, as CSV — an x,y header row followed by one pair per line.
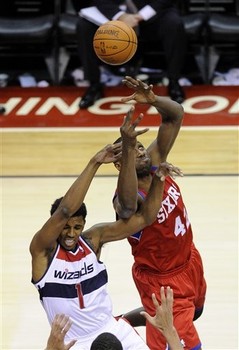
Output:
x,y
143,92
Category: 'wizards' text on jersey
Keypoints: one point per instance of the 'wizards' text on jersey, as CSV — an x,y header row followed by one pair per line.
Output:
x,y
75,283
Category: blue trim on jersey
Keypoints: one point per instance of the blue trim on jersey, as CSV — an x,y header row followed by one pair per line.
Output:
x,y
153,168
137,235
197,347
58,290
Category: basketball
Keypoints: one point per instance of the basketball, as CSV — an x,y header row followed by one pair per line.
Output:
x,y
115,43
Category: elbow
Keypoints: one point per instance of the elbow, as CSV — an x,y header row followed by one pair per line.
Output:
x,y
65,212
126,213
177,114
180,112
149,220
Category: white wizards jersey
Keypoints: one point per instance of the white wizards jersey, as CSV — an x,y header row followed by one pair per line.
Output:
x,y
75,284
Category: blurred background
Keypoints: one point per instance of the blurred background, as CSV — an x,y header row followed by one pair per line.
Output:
x,y
39,46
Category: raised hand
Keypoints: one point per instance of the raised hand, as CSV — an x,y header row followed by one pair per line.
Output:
x,y
143,92
163,319
110,153
166,169
127,129
60,326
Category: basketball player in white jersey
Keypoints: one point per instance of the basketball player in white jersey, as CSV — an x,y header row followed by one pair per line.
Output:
x,y
66,269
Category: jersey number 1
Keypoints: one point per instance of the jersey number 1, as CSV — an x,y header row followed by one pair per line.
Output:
x,y
80,296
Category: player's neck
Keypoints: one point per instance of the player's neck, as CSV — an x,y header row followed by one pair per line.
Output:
x,y
145,182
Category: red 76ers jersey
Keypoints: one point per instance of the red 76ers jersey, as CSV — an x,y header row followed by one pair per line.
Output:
x,y
166,244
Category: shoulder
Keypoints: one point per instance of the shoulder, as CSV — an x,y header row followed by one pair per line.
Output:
x,y
92,238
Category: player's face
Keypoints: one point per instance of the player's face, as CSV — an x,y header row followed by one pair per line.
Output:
x,y
143,160
71,232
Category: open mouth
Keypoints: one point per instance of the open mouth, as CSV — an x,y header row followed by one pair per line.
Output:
x,y
69,242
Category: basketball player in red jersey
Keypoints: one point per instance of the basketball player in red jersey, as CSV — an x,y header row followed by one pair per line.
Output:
x,y
164,252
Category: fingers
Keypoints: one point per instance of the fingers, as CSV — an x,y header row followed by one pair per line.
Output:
x,y
114,152
116,147
140,132
167,169
146,315
166,296
128,127
64,323
144,86
128,98
113,148
175,171
129,81
169,296
129,115
155,301
67,326
117,157
68,346
162,295
138,120
128,119
136,83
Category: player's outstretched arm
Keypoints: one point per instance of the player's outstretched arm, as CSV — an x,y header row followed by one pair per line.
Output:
x,y
145,216
144,94
170,111
163,319
151,205
45,240
60,326
125,202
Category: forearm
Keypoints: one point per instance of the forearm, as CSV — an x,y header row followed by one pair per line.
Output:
x,y
173,340
172,116
170,110
127,186
74,197
152,203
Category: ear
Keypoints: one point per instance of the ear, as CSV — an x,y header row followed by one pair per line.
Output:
x,y
117,165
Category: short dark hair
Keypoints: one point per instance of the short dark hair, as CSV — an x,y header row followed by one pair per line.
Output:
x,y
106,341
82,211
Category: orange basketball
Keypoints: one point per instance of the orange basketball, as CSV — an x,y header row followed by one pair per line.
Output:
x,y
115,43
